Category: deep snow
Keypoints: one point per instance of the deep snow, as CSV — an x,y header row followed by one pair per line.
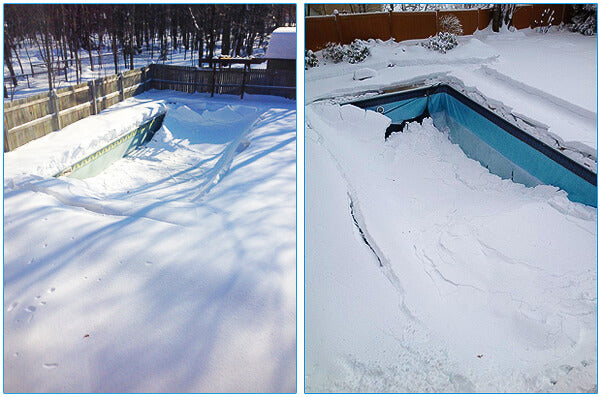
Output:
x,y
173,270
468,283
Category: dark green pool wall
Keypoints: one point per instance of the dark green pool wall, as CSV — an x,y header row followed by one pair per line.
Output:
x,y
97,162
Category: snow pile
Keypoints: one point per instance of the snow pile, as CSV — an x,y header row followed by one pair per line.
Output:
x,y
58,150
364,73
426,273
171,271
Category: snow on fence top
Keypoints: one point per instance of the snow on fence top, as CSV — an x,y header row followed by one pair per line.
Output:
x,y
282,44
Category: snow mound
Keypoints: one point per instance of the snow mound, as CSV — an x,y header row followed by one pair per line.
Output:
x,y
364,73
228,114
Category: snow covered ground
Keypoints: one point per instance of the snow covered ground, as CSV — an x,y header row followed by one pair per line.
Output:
x,y
174,270
423,271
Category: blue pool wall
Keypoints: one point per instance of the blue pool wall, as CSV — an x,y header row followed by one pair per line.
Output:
x,y
503,148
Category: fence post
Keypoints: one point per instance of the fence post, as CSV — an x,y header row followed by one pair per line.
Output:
x,y
92,85
338,28
6,146
144,78
214,78
54,109
120,85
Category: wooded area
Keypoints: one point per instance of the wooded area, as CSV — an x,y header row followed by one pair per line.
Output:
x,y
62,32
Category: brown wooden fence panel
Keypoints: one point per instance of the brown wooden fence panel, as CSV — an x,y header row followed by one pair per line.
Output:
x,y
227,80
467,18
522,17
484,17
364,26
319,31
413,25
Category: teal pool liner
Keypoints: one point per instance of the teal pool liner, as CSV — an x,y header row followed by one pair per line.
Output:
x,y
95,163
498,145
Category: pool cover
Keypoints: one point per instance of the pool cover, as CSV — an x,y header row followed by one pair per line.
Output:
x,y
498,145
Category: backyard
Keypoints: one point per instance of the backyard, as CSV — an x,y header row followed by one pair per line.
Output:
x,y
149,215
442,276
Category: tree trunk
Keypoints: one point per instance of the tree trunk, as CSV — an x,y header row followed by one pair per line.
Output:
x,y
8,62
114,50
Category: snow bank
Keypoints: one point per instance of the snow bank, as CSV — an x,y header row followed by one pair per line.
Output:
x,y
56,151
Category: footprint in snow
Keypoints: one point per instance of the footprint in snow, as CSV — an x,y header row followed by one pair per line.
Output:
x,y
30,309
12,306
50,365
51,290
148,263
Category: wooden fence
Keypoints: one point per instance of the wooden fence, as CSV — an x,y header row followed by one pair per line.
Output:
x,y
35,116
233,81
345,28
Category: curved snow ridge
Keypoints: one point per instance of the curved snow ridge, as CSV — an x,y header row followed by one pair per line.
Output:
x,y
75,195
352,114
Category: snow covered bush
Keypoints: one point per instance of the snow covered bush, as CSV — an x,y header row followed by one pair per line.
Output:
x,y
442,42
310,60
584,19
334,52
355,52
451,24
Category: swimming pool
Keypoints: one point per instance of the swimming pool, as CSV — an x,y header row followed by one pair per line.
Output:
x,y
95,163
498,145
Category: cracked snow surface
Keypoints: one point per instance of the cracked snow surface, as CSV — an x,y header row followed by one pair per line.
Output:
x,y
485,285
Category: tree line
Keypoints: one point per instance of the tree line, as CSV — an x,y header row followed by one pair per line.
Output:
x,y
62,32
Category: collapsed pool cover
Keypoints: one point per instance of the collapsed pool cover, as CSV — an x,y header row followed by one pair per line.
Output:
x,y
498,145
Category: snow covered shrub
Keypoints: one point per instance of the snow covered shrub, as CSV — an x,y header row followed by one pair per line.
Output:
x,y
545,22
334,52
442,42
451,24
584,19
310,60
355,52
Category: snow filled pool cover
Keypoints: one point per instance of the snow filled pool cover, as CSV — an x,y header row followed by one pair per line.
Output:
x,y
501,147
428,272
173,269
